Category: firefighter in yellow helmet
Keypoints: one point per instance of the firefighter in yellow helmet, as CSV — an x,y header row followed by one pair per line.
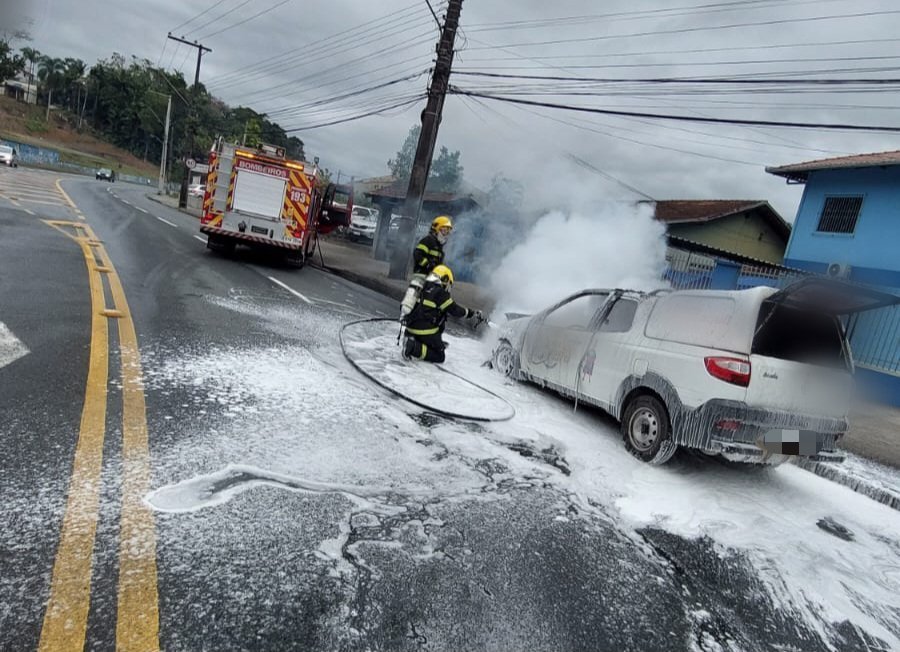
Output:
x,y
425,323
429,253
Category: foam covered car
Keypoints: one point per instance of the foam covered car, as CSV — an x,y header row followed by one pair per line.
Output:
x,y
756,375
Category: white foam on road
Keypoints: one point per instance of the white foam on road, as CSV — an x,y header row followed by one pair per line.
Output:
x,y
11,347
300,412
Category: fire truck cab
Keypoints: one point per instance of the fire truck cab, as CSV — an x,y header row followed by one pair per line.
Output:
x,y
258,197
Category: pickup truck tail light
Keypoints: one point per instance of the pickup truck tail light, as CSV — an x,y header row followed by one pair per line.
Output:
x,y
735,371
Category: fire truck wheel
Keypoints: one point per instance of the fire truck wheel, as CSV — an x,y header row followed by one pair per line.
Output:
x,y
296,259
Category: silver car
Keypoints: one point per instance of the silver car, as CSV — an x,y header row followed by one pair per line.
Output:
x,y
8,156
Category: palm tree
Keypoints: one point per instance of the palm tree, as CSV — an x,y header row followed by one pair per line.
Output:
x,y
51,72
74,80
32,56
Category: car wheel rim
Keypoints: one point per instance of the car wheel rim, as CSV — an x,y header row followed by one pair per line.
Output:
x,y
504,360
643,429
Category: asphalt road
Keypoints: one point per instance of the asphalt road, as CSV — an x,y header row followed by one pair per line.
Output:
x,y
237,486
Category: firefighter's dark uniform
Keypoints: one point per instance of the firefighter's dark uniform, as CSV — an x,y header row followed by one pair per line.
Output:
x,y
425,324
427,255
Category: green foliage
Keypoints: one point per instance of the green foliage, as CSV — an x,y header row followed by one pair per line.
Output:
x,y
11,64
35,125
446,171
401,165
124,101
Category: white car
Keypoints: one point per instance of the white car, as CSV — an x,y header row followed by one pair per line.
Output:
x,y
363,222
753,375
196,190
8,156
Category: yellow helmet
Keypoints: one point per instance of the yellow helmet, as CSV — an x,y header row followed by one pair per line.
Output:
x,y
443,272
441,221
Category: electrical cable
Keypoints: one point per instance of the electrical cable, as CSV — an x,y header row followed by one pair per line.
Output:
x,y
358,117
217,18
687,30
734,121
202,13
246,20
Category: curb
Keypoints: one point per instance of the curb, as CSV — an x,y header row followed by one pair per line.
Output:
x,y
847,476
365,281
156,198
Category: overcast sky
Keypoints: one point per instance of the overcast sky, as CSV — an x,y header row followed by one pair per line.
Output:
x,y
292,58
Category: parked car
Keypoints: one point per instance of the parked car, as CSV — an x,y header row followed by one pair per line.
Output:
x,y
9,156
197,190
105,174
754,375
363,222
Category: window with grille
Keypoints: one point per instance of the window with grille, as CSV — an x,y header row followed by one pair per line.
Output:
x,y
839,214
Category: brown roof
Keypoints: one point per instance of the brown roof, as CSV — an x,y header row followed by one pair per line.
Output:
x,y
684,211
800,171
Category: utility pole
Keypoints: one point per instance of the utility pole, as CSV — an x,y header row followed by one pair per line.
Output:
x,y
165,150
182,198
431,119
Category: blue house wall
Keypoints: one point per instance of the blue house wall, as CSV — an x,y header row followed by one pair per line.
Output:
x,y
873,249
873,253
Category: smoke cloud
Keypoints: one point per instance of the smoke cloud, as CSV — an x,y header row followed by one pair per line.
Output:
x,y
612,245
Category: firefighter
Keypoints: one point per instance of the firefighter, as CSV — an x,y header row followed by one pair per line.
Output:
x,y
425,324
429,253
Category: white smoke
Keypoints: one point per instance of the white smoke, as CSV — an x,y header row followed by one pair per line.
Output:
x,y
611,245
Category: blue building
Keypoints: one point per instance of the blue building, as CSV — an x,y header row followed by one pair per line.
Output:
x,y
847,226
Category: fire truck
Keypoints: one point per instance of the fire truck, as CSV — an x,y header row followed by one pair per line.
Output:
x,y
256,196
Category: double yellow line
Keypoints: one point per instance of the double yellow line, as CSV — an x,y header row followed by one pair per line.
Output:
x,y
66,616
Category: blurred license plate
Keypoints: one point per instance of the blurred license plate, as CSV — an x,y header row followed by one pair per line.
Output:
x,y
259,229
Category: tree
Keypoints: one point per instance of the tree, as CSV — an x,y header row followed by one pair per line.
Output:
x,y
10,64
51,72
446,171
31,56
73,81
401,165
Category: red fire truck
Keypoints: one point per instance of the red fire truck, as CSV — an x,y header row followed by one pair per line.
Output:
x,y
258,197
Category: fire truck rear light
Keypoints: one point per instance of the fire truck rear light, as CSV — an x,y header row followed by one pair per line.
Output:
x,y
241,152
735,371
296,166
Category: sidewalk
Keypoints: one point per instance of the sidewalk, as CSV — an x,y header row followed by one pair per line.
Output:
x,y
172,202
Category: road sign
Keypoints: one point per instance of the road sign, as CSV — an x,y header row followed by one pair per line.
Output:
x,y
190,163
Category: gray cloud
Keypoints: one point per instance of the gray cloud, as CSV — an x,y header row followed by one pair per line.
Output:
x,y
391,38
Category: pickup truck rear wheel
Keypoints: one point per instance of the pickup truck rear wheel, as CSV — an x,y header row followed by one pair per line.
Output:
x,y
647,431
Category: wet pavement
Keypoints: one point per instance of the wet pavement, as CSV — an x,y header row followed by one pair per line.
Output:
x,y
298,506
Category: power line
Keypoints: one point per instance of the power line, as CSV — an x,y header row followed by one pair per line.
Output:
x,y
686,30
246,20
431,9
639,14
202,13
734,121
329,55
331,39
360,116
218,18
606,175
681,80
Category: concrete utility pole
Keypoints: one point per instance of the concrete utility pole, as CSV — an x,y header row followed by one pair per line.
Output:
x,y
182,198
431,119
165,150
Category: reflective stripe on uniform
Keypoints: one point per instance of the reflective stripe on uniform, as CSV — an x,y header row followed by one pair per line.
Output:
x,y
423,353
422,331
446,304
423,248
428,303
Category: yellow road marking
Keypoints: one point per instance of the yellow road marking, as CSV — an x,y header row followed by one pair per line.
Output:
x,y
65,620
137,626
65,195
